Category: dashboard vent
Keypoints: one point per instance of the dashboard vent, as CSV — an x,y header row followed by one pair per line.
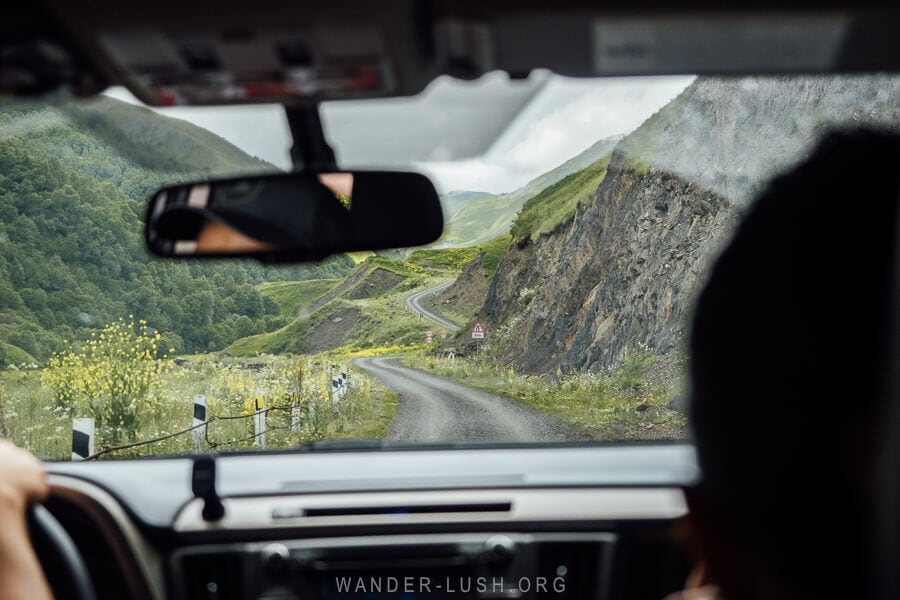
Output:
x,y
213,576
490,507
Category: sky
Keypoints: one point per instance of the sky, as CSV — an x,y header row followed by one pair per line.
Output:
x,y
493,135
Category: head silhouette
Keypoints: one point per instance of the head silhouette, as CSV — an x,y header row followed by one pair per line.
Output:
x,y
788,360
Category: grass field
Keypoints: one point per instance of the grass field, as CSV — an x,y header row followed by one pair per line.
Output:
x,y
31,417
455,259
291,296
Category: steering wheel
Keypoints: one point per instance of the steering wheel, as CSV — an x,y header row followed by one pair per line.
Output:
x,y
60,551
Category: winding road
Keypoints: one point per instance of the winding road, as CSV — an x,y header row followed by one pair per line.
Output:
x,y
434,409
414,302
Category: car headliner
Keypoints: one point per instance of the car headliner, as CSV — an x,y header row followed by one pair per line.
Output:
x,y
737,37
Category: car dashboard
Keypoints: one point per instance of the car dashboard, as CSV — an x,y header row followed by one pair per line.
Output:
x,y
463,522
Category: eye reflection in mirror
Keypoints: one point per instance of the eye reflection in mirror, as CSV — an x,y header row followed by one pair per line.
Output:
x,y
294,217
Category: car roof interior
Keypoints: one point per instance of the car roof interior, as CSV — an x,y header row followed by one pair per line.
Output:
x,y
467,38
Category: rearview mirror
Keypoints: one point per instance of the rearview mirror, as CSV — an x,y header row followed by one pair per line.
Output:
x,y
295,216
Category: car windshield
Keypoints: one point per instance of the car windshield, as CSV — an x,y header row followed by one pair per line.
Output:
x,y
580,219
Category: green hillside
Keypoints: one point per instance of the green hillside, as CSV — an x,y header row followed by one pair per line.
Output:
x,y
291,296
128,146
456,259
13,355
557,204
493,253
482,220
453,259
452,202
73,255
362,311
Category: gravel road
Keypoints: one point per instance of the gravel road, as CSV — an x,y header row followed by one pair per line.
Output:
x,y
434,409
414,302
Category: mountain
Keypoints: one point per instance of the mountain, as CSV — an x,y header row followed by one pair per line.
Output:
x,y
453,202
73,180
591,155
476,218
130,146
618,277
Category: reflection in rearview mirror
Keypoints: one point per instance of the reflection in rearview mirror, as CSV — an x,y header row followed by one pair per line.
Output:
x,y
294,217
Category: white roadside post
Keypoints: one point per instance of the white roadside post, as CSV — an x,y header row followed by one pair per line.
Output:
x,y
199,434
295,410
259,429
335,391
344,386
82,438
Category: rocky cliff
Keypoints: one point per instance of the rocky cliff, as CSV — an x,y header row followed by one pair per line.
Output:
x,y
621,275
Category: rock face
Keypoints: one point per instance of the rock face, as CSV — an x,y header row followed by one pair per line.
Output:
x,y
468,291
376,283
622,274
619,275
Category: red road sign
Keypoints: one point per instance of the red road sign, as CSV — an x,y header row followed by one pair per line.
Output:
x,y
478,331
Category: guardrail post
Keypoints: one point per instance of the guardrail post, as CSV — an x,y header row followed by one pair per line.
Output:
x,y
259,420
335,391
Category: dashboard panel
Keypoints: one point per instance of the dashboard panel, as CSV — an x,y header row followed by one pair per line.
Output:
x,y
559,522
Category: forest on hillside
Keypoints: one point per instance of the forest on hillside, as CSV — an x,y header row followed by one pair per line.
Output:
x,y
73,186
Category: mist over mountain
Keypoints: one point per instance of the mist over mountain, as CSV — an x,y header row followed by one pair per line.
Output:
x,y
731,135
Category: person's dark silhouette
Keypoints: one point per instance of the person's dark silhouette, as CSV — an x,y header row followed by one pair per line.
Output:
x,y
788,361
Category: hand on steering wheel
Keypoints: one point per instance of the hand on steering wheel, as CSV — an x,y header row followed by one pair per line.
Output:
x,y
23,484
58,545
